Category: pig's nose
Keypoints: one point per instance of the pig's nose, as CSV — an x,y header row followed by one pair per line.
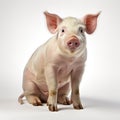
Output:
x,y
73,44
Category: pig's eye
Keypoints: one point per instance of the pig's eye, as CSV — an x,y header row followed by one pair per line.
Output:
x,y
63,30
81,30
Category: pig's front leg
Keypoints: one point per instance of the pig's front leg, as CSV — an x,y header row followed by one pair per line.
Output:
x,y
75,81
50,75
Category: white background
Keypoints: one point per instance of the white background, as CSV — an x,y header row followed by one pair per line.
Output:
x,y
23,29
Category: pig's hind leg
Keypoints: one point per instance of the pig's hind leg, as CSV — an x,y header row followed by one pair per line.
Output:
x,y
62,95
32,93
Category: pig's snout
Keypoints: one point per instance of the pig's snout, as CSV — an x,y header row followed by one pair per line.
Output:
x,y
73,43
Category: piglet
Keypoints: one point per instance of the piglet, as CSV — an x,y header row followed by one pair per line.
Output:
x,y
56,67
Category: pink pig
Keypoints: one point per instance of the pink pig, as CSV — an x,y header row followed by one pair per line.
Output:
x,y
57,66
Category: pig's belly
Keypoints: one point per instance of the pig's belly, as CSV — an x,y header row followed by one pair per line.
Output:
x,y
63,81
44,88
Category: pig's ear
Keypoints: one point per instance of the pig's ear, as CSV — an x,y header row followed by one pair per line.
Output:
x,y
53,21
90,22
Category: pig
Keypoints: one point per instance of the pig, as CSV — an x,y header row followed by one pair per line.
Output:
x,y
56,67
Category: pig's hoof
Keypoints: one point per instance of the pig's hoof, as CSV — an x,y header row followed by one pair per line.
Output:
x,y
34,100
37,103
78,107
52,108
64,101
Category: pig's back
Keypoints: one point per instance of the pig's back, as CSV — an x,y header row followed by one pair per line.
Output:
x,y
36,61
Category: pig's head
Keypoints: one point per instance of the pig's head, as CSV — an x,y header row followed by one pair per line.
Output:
x,y
70,31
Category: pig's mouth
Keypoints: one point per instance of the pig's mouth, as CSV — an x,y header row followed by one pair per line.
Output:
x,y
73,47
73,50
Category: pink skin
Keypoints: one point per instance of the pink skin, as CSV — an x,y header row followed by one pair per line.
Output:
x,y
59,63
